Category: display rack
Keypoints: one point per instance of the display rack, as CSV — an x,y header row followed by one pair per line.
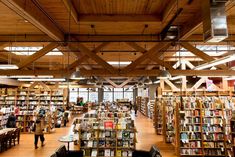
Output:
x,y
114,135
158,116
151,106
28,101
124,102
204,126
168,119
142,103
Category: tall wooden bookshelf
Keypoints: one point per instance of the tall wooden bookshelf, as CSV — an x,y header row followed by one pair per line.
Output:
x,y
107,136
28,101
204,126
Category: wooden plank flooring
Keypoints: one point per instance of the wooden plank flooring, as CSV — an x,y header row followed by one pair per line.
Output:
x,y
146,137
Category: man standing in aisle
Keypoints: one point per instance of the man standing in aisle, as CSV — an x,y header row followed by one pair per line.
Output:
x,y
38,132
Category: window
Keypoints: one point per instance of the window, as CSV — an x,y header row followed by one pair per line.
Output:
x,y
73,94
128,95
108,95
93,95
83,92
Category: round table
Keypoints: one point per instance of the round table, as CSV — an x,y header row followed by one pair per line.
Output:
x,y
67,139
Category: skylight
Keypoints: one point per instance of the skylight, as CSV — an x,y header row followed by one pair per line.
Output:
x,y
119,63
212,50
26,51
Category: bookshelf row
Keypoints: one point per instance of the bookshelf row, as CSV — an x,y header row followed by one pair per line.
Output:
x,y
106,133
196,126
26,104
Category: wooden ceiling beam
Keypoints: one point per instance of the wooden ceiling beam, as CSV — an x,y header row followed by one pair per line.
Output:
x,y
30,59
106,73
111,82
10,82
105,38
94,57
120,18
71,9
153,54
125,82
84,57
138,73
200,54
30,11
77,62
56,73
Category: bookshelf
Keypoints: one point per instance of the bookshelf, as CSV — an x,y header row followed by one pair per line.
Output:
x,y
142,103
109,134
151,106
28,101
124,103
204,126
158,116
168,119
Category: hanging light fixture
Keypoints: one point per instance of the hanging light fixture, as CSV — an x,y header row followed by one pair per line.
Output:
x,y
99,83
91,81
164,74
148,81
140,84
76,76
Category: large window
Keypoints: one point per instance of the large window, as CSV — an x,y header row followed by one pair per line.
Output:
x,y
93,96
88,95
83,92
108,94
73,94
118,93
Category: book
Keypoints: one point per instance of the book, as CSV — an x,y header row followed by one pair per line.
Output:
x,y
93,153
107,152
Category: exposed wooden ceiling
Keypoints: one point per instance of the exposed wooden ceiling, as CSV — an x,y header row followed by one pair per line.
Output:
x,y
80,30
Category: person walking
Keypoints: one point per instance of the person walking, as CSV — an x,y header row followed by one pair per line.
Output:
x,y
38,132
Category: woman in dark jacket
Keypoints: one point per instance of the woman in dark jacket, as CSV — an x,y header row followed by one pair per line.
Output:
x,y
11,121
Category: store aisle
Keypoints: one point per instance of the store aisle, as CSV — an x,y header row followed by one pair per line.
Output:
x,y
146,137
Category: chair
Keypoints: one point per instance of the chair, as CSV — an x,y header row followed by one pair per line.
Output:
x,y
17,135
2,142
62,152
8,139
154,152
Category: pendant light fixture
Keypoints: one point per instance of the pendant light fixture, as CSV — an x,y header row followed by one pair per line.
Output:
x,y
147,81
164,74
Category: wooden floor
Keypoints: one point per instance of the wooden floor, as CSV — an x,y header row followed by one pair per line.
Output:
x,y
146,137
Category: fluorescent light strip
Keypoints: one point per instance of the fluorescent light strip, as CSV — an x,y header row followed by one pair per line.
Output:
x,y
31,76
216,62
42,79
8,66
117,63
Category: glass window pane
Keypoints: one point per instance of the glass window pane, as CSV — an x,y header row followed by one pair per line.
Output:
x,y
93,96
118,95
73,89
108,96
84,95
118,89
83,89
73,96
128,95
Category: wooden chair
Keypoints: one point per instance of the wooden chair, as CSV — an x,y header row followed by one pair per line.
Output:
x,y
17,136
8,139
3,142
